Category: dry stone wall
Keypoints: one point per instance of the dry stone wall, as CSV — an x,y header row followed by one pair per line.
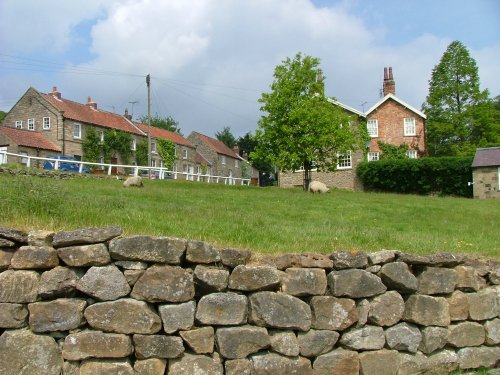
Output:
x,y
91,301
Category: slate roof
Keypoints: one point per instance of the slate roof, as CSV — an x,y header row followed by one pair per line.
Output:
x,y
28,138
487,157
83,113
165,134
218,146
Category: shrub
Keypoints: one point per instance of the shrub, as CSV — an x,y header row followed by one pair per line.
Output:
x,y
444,176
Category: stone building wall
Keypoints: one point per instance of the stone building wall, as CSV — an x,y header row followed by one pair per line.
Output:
x,y
486,182
92,301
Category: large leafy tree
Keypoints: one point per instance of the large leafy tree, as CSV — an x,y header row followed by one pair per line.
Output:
x,y
226,137
460,117
300,128
167,123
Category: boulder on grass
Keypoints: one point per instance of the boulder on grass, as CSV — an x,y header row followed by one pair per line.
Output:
x,y
133,181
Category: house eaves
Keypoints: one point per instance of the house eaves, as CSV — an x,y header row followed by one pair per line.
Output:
x,y
396,99
346,107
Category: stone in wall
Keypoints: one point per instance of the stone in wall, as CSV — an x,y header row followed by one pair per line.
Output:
x,y
239,342
61,314
238,367
347,259
466,334
222,309
303,260
469,279
333,313
104,283
150,366
19,286
58,282
365,338
427,310
85,255
304,282
382,257
403,337
157,346
272,363
106,366
316,342
5,258
234,257
284,342
386,309
34,257
148,249
254,278
13,315
434,280
194,364
481,356
85,236
177,316
210,279
14,235
433,338
354,283
200,340
397,276
40,238
96,344
483,304
379,362
202,252
337,362
492,329
458,305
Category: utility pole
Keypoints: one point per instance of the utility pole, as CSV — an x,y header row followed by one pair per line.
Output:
x,y
148,83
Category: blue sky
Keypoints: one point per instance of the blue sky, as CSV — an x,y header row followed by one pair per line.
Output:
x,y
211,59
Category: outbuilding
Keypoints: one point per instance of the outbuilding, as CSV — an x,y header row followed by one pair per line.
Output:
x,y
486,173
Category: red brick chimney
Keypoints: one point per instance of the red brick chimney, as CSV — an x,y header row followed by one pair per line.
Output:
x,y
91,104
55,93
127,116
389,86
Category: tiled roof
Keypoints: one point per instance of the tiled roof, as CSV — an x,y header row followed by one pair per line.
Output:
x,y
200,159
218,146
487,157
80,112
165,134
28,138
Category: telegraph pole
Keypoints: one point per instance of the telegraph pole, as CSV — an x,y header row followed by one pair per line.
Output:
x,y
148,83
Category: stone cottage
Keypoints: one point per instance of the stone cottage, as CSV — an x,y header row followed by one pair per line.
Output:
x,y
486,173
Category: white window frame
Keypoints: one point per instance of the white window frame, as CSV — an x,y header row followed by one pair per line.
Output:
x,y
100,134
223,159
184,153
31,124
372,127
153,147
344,161
410,127
19,124
46,123
412,154
77,130
236,163
153,163
133,147
373,156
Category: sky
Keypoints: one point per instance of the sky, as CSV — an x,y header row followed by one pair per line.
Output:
x,y
210,60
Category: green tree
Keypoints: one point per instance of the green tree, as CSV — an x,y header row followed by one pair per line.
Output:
x,y
166,150
226,137
2,115
301,129
459,115
167,123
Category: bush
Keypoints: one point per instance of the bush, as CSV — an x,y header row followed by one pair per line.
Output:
x,y
444,176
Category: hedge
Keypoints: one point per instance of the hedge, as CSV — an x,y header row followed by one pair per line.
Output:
x,y
442,176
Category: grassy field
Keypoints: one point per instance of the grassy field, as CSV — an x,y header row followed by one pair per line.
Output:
x,y
267,220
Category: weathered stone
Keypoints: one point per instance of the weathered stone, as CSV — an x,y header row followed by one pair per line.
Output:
x,y
279,311
222,309
386,309
483,304
131,265
123,316
304,282
482,356
349,259
178,316
34,257
58,282
354,283
363,308
5,258
14,235
315,342
85,256
158,346
40,237
208,280
85,236
25,353
12,315
164,284
238,367
374,269
239,342
104,283
492,329
59,315
397,276
466,334
6,243
88,344
381,257
200,340
433,338
337,362
106,366
71,368
254,278
132,276
411,364
150,366
284,342
19,286
148,249
303,260
202,252
234,257
435,260
403,337
195,364
379,362
275,364
333,313
427,310
494,276
458,305
435,280
365,338
442,362
468,279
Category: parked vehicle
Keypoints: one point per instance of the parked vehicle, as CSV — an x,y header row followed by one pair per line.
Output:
x,y
64,167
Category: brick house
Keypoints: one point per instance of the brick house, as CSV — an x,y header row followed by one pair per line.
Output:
x,y
486,173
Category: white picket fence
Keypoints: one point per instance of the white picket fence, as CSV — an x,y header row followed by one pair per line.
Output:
x,y
155,172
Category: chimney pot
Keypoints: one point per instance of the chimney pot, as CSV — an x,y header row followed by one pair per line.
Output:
x,y
389,86
90,103
55,93
127,116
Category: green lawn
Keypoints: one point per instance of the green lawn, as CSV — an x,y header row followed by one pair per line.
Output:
x,y
259,219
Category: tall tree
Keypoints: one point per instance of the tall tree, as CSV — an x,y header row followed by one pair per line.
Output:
x,y
226,137
301,129
167,123
2,115
459,115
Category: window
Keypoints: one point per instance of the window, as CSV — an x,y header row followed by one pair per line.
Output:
x,y
19,124
184,153
373,156
236,163
134,144
153,163
372,126
31,124
198,169
77,130
46,123
24,161
100,134
344,161
153,147
223,160
409,124
412,154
